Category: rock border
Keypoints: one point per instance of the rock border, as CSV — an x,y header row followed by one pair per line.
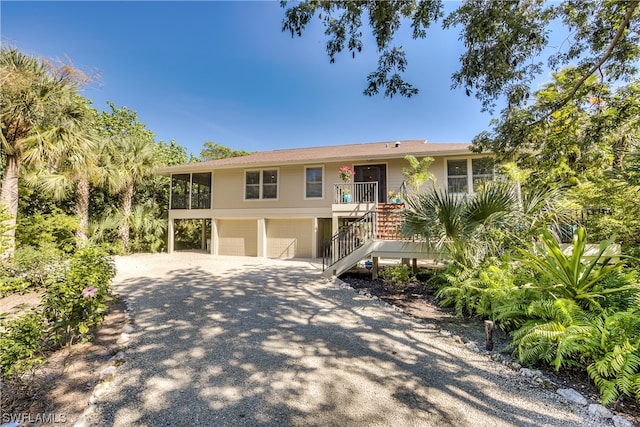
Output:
x,y
566,395
108,374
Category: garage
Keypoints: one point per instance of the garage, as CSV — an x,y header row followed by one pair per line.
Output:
x,y
289,238
238,237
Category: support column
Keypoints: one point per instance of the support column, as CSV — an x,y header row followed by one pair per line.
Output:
x,y
214,236
262,238
374,270
203,235
314,238
170,236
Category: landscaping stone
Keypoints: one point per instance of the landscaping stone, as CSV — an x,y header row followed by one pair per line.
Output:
x,y
572,396
600,411
619,421
531,373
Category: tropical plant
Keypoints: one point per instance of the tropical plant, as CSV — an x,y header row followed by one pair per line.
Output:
x,y
74,171
128,158
418,172
39,108
78,303
572,276
462,226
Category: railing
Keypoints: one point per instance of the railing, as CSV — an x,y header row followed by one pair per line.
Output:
x,y
179,201
198,201
355,192
349,238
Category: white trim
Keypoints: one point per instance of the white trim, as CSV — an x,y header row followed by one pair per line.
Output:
x,y
304,183
469,160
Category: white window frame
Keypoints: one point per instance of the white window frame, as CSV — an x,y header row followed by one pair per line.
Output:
x,y
261,185
304,189
470,176
446,172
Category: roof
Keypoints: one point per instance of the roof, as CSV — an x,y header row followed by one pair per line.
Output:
x,y
361,152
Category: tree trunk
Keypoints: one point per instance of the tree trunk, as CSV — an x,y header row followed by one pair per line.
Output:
x,y
9,199
82,210
126,198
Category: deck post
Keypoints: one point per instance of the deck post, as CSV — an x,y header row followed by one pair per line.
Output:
x,y
374,270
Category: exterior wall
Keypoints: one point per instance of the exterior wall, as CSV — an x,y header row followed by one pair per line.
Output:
x,y
290,225
289,238
237,237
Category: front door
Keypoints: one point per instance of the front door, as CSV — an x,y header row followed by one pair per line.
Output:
x,y
373,173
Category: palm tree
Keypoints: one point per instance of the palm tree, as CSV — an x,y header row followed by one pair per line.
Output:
x,y
130,161
74,171
39,103
127,158
459,224
495,219
417,172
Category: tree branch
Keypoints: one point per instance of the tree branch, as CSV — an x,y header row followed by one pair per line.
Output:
x,y
625,22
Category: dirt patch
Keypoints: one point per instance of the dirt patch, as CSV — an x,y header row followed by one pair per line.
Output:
x,y
58,392
12,305
418,300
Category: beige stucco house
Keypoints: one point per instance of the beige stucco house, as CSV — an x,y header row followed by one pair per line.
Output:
x,y
287,203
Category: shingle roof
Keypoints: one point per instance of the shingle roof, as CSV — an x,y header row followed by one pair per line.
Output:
x,y
362,152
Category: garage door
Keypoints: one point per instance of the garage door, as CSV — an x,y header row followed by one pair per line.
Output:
x,y
238,237
289,238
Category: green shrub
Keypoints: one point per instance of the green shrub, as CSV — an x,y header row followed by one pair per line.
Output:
x,y
40,266
20,341
55,228
398,275
79,303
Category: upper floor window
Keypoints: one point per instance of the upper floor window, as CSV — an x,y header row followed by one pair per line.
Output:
x,y
191,191
313,182
457,176
468,175
261,184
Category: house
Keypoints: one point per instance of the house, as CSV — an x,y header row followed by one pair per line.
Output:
x,y
288,203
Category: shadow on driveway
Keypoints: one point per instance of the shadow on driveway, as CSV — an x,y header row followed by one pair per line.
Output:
x,y
233,341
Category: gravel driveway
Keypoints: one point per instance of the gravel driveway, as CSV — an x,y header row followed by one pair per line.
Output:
x,y
220,341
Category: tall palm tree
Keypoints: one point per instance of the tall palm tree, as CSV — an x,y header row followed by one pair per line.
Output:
x,y
130,160
38,103
74,170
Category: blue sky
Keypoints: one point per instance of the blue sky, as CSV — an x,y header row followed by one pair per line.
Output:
x,y
225,72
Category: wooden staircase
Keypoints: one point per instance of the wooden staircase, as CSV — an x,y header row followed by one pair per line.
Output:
x,y
389,221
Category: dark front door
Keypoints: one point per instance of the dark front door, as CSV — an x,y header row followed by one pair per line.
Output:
x,y
373,173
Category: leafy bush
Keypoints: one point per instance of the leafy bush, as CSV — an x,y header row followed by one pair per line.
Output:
x,y
616,369
79,303
55,228
20,341
477,292
40,266
398,275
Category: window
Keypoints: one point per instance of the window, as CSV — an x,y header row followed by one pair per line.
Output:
x,y
252,186
191,191
313,182
261,184
457,176
180,184
460,181
482,170
201,190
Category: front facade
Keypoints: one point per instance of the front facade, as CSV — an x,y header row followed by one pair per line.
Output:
x,y
286,203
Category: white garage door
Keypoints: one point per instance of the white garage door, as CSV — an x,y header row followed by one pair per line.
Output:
x,y
238,237
289,238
